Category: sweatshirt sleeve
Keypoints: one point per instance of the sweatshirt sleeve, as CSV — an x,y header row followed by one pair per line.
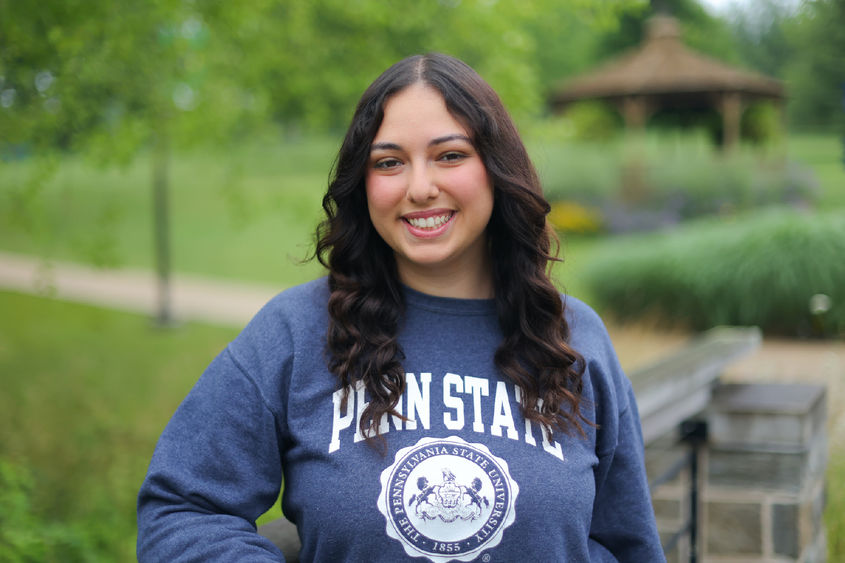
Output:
x,y
623,526
216,468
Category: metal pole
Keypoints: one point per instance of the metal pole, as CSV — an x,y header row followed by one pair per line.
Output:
x,y
693,505
694,432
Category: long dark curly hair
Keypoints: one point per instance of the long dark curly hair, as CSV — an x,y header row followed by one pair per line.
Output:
x,y
366,301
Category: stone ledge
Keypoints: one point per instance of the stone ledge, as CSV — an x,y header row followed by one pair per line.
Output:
x,y
773,417
679,386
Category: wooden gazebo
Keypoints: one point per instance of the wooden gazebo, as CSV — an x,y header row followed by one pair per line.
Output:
x,y
662,73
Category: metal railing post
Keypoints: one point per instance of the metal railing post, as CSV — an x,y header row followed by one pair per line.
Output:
x,y
694,433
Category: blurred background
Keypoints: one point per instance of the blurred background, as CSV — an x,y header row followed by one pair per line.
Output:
x,y
693,152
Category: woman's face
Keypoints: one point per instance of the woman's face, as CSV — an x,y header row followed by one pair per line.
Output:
x,y
428,193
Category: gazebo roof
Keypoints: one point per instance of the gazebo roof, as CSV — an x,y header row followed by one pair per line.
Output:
x,y
663,65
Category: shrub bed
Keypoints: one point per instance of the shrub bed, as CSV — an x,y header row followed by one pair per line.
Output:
x,y
640,183
782,270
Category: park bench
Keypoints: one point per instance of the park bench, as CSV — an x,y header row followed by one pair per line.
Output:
x,y
669,392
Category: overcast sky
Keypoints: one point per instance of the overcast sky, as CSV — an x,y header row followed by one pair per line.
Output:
x,y
719,6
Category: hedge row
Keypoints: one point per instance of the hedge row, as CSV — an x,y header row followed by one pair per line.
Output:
x,y
782,270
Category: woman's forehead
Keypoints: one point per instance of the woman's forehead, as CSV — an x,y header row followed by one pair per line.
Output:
x,y
416,113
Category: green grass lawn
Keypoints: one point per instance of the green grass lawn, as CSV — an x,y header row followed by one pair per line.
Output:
x,y
245,213
824,155
86,393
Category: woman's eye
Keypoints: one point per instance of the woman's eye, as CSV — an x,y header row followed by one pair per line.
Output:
x,y
452,156
387,163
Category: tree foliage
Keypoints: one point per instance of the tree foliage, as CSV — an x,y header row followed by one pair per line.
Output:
x,y
761,31
802,44
104,75
108,73
816,73
700,30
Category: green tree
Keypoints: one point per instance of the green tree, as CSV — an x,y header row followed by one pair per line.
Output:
x,y
816,73
569,39
760,30
111,77
700,30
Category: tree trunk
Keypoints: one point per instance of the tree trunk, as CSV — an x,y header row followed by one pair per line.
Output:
x,y
161,224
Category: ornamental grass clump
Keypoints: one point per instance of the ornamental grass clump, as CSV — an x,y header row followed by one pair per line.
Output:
x,y
782,270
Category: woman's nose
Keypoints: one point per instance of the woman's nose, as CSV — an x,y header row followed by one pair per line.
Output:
x,y
422,185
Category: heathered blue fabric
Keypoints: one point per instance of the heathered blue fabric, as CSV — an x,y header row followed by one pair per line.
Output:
x,y
267,409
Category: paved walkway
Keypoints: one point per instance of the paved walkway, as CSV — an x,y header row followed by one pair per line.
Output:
x,y
192,298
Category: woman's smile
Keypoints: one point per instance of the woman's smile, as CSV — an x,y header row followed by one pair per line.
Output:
x,y
428,223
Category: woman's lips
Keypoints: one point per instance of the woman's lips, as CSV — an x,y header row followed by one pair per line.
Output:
x,y
428,224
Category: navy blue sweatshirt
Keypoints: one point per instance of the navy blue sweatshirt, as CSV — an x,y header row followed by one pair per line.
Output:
x,y
465,478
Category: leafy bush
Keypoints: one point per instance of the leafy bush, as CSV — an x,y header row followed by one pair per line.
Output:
x,y
24,535
593,121
761,123
769,269
656,180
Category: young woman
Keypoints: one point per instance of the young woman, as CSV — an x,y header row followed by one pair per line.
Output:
x,y
434,396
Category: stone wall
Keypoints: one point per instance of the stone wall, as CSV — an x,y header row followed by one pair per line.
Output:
x,y
760,476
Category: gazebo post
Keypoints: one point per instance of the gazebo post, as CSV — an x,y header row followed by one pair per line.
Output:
x,y
635,112
780,107
731,109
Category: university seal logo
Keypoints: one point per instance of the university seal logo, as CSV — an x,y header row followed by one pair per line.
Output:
x,y
446,499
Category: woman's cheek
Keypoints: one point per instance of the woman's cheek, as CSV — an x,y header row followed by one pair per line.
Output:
x,y
383,192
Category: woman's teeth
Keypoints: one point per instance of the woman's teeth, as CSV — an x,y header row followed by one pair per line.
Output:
x,y
430,222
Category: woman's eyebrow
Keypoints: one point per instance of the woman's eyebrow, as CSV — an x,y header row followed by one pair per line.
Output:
x,y
447,138
385,147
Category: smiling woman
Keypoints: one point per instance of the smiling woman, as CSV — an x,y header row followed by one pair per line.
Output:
x,y
434,396
429,197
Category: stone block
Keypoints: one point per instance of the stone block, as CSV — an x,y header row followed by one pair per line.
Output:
x,y
667,509
757,470
817,506
733,529
680,552
816,551
771,415
785,530
673,555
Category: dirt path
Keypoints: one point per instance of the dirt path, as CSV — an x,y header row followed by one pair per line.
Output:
x,y
233,304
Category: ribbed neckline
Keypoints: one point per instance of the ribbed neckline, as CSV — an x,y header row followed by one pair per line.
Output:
x,y
449,305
